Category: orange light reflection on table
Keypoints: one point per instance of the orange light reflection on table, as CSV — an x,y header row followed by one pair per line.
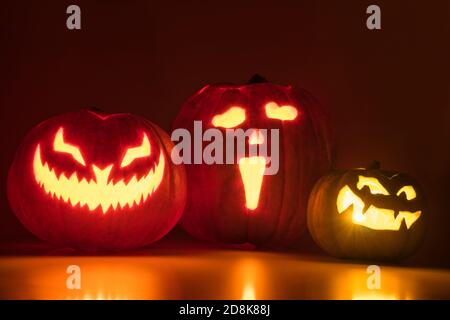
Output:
x,y
248,279
213,274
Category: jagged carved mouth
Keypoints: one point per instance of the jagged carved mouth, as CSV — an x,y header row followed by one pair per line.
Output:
x,y
373,217
98,192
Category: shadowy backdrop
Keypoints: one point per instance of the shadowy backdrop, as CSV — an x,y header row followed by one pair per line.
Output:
x,y
386,90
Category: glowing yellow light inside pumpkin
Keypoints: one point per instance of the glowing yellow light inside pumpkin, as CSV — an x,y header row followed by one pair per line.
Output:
x,y
59,145
358,217
409,192
256,137
141,151
252,173
98,192
374,185
274,111
373,218
230,118
346,198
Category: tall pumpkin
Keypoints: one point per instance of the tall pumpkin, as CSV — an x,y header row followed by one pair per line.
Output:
x,y
97,181
367,213
228,204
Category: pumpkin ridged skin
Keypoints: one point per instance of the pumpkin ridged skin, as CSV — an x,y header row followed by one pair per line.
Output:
x,y
102,141
215,209
337,235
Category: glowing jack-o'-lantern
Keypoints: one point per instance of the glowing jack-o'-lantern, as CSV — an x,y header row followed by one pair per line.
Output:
x,y
367,213
94,181
235,202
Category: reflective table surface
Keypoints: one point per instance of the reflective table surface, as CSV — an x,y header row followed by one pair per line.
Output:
x,y
211,274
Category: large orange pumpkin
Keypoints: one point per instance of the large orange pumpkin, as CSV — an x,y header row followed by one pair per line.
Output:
x,y
228,203
96,181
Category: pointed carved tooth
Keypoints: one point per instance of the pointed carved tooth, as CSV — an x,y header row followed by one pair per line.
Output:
x,y
105,208
403,226
364,209
132,181
130,202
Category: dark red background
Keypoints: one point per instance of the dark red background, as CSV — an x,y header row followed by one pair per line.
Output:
x,y
386,91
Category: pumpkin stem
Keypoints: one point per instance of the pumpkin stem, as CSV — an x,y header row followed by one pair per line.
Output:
x,y
374,165
256,78
98,112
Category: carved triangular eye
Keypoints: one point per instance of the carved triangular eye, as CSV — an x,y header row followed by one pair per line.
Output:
x,y
274,111
134,153
59,145
230,118
409,192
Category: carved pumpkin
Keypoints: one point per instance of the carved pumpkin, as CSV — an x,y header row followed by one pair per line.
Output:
x,y
95,181
235,203
367,214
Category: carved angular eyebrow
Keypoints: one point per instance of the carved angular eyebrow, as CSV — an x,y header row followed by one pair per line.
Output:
x,y
374,185
136,152
230,118
274,111
59,145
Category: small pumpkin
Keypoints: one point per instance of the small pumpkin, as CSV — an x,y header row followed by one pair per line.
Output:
x,y
94,181
367,214
235,203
